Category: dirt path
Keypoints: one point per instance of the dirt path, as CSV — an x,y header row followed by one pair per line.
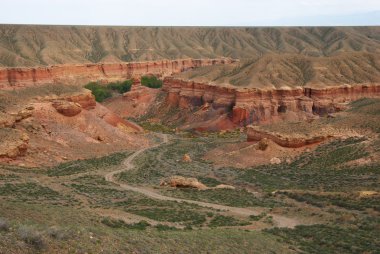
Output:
x,y
279,220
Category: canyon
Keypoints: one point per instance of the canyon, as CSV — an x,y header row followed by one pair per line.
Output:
x,y
189,139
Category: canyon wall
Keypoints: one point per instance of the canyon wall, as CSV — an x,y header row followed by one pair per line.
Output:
x,y
11,78
252,106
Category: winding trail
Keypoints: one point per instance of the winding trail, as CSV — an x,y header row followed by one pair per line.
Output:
x,y
280,221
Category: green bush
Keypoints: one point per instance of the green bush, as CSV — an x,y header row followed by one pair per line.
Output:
x,y
121,87
103,92
100,92
151,82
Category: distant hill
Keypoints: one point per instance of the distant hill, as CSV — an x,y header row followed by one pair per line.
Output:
x,y
32,45
290,70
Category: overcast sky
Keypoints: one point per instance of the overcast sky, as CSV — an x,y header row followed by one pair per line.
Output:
x,y
191,12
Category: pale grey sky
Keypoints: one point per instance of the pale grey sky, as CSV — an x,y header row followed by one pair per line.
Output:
x,y
191,12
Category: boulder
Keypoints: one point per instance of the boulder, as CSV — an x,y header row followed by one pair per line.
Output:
x,y
186,158
13,143
224,186
67,108
275,160
183,182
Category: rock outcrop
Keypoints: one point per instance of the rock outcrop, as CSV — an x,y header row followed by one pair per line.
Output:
x,y
255,133
12,78
297,138
183,182
67,108
13,143
252,106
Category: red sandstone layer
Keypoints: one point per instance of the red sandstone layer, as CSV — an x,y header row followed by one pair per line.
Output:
x,y
254,105
11,78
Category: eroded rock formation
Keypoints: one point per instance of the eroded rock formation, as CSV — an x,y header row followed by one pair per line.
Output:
x,y
255,133
11,78
251,106
297,138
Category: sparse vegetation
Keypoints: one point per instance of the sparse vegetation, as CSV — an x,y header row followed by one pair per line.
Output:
x,y
31,236
236,198
258,217
331,239
141,225
222,221
322,169
93,164
351,201
30,192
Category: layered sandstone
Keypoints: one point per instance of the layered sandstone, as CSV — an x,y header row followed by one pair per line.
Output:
x,y
295,140
252,106
11,78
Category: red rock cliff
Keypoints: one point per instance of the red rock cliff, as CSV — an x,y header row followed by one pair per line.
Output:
x,y
11,78
254,105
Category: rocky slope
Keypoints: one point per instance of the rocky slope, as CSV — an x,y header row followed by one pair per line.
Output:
x,y
46,130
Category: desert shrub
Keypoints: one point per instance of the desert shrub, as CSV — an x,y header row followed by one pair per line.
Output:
x,y
100,92
170,214
121,87
141,225
151,82
4,224
57,233
31,236
257,217
113,223
238,198
221,220
161,227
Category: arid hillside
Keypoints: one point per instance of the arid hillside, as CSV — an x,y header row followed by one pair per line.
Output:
x,y
278,71
26,45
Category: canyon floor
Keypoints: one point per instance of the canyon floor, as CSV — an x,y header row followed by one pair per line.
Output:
x,y
319,198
